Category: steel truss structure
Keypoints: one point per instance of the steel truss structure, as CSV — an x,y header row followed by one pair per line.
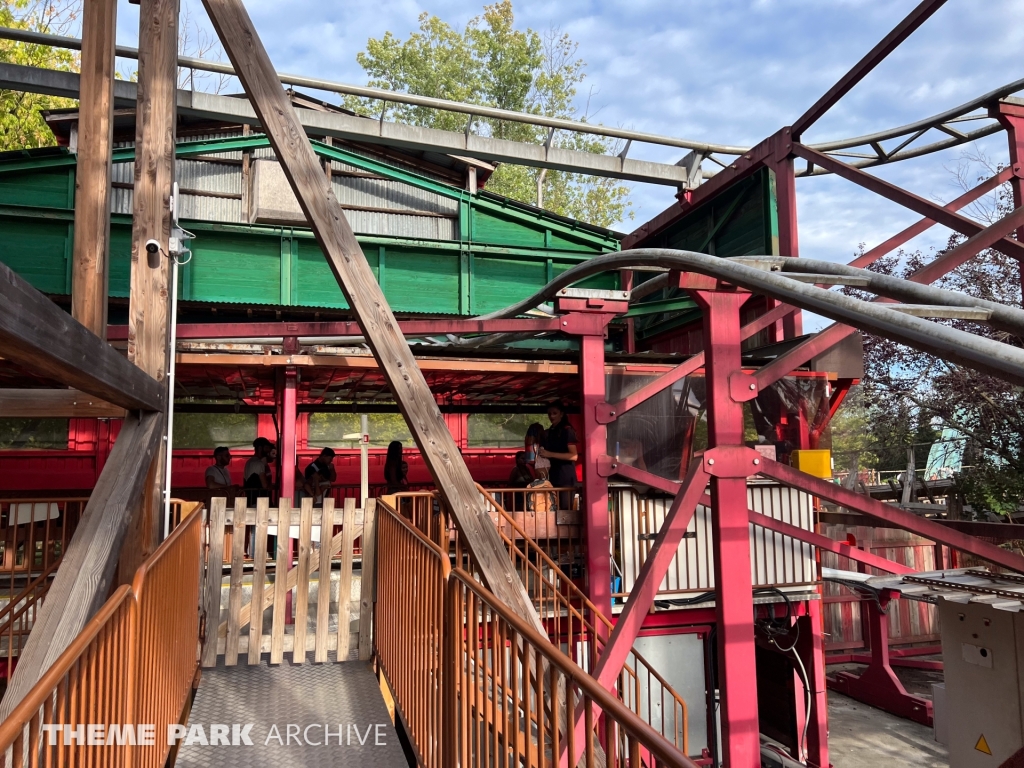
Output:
x,y
904,311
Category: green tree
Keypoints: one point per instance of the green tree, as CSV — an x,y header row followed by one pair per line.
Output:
x,y
21,124
494,64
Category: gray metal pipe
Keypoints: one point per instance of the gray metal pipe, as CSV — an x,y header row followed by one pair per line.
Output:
x,y
1003,317
996,358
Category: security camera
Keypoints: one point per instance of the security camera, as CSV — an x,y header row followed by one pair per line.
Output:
x,y
153,251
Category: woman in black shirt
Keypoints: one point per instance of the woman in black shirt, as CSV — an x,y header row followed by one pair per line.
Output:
x,y
560,447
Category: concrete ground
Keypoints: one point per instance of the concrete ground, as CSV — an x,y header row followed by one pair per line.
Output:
x,y
864,737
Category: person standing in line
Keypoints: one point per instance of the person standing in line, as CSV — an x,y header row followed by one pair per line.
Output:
x,y
561,449
319,475
256,477
534,440
396,471
218,478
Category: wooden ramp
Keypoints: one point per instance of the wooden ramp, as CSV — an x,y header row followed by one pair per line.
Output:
x,y
303,698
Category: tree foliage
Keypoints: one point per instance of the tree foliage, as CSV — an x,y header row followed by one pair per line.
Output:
x,y
909,397
21,124
493,63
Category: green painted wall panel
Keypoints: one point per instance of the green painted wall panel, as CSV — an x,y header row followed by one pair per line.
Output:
x,y
228,267
121,260
315,284
418,281
50,188
39,251
498,230
500,282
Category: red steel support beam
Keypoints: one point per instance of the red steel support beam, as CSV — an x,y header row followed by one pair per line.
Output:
x,y
925,224
967,250
789,244
874,57
305,329
287,448
811,648
730,534
1011,116
608,412
595,487
878,685
785,363
641,596
840,548
919,205
888,513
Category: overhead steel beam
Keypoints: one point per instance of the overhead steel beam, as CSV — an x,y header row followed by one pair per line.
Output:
x,y
919,205
872,59
924,224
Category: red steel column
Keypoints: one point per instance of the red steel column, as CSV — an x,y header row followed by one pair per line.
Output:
x,y
812,651
737,671
789,244
1012,118
287,448
595,487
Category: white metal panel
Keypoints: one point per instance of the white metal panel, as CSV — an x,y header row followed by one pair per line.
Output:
x,y
775,560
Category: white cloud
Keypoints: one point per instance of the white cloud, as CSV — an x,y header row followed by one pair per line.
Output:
x,y
726,71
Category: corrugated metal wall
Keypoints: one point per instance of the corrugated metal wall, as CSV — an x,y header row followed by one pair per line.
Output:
x,y
775,560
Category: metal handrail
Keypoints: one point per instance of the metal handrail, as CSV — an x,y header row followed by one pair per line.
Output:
x,y
575,604
4,619
116,668
643,734
581,616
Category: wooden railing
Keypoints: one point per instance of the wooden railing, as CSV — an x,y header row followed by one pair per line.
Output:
x,y
131,666
572,621
300,572
475,684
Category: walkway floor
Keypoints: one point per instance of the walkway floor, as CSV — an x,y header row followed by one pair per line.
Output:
x,y
864,737
288,707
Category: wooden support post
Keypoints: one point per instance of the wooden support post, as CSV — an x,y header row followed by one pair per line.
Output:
x,y
90,264
149,302
87,570
346,259
368,580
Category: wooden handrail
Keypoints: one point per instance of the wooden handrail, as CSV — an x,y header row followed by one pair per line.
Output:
x,y
4,620
658,745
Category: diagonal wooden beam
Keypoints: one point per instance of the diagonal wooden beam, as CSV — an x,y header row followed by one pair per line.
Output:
x,y
385,339
37,334
86,572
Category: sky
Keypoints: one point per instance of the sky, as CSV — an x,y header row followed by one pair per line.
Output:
x,y
723,71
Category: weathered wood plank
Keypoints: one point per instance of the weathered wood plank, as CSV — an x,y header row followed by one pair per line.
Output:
x,y
301,602
83,580
346,259
214,579
235,592
348,526
281,586
37,334
56,403
323,597
90,252
368,581
259,575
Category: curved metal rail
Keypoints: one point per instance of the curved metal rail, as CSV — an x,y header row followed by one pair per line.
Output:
x,y
876,154
993,357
